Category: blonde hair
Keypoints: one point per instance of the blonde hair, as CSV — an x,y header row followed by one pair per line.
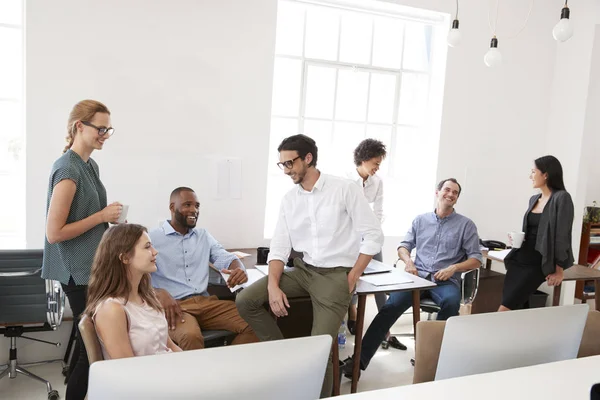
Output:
x,y
82,111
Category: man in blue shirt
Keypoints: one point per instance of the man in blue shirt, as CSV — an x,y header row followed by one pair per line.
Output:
x,y
447,244
181,279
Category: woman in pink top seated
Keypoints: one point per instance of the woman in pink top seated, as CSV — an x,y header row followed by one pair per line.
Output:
x,y
128,318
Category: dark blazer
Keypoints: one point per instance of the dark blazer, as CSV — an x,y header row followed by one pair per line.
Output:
x,y
554,232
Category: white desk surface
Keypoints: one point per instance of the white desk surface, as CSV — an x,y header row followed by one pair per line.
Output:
x,y
571,379
417,283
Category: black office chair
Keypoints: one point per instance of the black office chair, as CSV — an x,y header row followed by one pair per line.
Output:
x,y
469,285
27,304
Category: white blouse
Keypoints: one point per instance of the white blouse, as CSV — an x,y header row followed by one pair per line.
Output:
x,y
372,188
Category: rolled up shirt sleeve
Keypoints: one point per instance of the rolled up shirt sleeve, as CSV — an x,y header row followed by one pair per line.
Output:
x,y
471,242
281,244
410,239
364,221
220,257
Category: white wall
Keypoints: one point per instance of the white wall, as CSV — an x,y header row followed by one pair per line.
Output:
x,y
185,80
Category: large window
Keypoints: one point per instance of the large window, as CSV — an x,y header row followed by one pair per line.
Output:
x,y
344,73
12,152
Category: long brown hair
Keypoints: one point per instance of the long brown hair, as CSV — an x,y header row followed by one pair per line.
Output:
x,y
82,111
109,277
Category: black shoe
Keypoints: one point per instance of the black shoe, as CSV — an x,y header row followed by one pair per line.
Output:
x,y
352,327
347,368
395,343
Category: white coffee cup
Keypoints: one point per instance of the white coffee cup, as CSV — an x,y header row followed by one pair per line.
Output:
x,y
123,216
517,239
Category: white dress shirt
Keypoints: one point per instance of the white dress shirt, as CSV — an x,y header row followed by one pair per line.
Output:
x,y
323,224
372,189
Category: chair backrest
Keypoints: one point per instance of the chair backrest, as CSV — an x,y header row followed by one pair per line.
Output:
x,y
26,298
427,349
470,284
90,340
590,342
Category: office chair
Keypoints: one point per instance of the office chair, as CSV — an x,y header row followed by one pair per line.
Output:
x,y
27,304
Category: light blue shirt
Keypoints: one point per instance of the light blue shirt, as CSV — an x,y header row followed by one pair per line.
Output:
x,y
182,260
442,242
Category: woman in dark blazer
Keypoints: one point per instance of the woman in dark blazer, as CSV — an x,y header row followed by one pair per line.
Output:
x,y
546,251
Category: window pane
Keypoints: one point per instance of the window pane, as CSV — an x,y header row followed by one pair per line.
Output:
x,y
355,43
346,136
388,42
382,133
381,98
320,91
286,87
10,117
290,28
351,100
417,46
280,129
11,63
414,90
321,132
322,31
11,12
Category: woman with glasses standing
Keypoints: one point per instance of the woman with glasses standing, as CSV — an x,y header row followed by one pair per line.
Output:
x,y
77,216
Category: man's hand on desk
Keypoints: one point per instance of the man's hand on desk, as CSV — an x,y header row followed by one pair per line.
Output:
x,y
445,274
172,310
236,276
278,302
411,268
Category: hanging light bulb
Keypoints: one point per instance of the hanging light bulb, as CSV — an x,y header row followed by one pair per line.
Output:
x,y
493,57
454,35
563,30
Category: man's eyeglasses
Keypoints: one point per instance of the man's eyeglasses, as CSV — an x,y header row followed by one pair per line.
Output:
x,y
101,131
287,164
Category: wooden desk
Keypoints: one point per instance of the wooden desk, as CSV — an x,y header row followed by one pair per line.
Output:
x,y
362,290
571,379
575,273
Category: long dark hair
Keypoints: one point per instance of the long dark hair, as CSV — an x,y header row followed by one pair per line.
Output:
x,y
109,277
551,166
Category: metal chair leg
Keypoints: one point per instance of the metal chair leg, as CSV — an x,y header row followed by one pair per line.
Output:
x,y
23,371
5,372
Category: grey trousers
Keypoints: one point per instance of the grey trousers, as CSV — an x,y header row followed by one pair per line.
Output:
x,y
329,294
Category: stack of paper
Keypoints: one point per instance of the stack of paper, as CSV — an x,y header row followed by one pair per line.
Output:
x,y
240,254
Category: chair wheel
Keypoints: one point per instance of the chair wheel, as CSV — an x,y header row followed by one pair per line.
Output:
x,y
412,362
65,371
53,395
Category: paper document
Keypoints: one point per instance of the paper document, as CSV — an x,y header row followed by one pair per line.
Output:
x,y
376,267
499,253
265,269
240,254
393,277
253,276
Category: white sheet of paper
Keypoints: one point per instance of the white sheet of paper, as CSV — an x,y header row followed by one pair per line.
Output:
x,y
253,276
376,267
265,269
393,277
499,254
240,254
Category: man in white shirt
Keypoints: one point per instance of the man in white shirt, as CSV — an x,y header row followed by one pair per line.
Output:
x,y
319,218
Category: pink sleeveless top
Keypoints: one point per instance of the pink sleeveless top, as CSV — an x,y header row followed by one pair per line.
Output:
x,y
148,329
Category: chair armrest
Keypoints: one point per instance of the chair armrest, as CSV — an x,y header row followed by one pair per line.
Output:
x,y
469,285
20,273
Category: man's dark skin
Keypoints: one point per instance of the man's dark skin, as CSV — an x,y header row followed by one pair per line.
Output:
x,y
185,208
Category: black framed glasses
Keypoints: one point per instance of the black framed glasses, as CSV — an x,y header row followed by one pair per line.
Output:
x,y
101,131
287,164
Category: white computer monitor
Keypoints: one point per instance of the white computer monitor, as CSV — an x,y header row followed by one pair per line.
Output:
x,y
475,344
282,369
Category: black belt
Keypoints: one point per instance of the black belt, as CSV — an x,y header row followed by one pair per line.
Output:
x,y
189,296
